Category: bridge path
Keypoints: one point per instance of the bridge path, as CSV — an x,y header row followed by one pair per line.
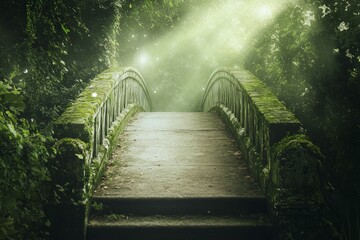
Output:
x,y
177,155
178,164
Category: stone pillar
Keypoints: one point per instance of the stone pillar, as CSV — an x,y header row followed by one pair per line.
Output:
x,y
296,203
67,211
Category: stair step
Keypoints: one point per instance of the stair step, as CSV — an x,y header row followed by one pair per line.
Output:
x,y
178,176
180,227
181,205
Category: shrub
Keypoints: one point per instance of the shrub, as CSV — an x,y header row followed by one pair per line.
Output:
x,y
23,172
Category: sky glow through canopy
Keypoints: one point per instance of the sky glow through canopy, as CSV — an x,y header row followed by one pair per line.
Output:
x,y
207,38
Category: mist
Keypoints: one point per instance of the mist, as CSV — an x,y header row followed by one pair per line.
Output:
x,y
177,65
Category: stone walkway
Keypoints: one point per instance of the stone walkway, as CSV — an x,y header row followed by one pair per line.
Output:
x,y
177,155
178,176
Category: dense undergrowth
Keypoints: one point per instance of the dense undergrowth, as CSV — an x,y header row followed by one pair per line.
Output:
x,y
23,170
49,50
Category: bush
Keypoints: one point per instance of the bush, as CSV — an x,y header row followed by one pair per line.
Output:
x,y
23,172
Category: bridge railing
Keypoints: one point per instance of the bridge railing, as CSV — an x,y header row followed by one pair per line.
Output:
x,y
91,116
87,131
283,160
257,112
129,88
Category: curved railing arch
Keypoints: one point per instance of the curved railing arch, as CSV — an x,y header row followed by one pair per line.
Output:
x,y
256,112
91,116
129,88
222,88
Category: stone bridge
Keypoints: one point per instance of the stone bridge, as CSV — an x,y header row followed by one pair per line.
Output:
x,y
239,168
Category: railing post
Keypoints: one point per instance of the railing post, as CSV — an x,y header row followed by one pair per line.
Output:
x,y
67,210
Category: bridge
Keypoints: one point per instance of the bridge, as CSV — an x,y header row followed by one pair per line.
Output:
x,y
240,168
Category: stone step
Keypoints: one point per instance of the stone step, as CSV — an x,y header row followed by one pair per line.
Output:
x,y
178,176
180,227
181,205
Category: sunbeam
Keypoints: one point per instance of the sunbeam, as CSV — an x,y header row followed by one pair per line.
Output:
x,y
179,62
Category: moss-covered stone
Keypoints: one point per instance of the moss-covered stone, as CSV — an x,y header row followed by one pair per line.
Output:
x,y
294,188
254,160
99,163
259,95
264,118
78,119
296,162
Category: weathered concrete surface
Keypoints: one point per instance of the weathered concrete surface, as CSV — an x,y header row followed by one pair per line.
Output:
x,y
182,155
187,220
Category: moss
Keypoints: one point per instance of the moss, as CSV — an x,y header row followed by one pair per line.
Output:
x,y
68,169
296,162
287,171
71,157
263,99
253,159
296,142
104,154
77,120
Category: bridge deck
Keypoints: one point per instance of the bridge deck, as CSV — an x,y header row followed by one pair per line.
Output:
x,y
177,155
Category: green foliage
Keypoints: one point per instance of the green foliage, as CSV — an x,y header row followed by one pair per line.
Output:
x,y
12,36
68,171
144,21
148,15
23,172
49,50
66,46
309,57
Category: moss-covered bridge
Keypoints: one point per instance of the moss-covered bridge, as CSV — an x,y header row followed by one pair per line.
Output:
x,y
239,169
